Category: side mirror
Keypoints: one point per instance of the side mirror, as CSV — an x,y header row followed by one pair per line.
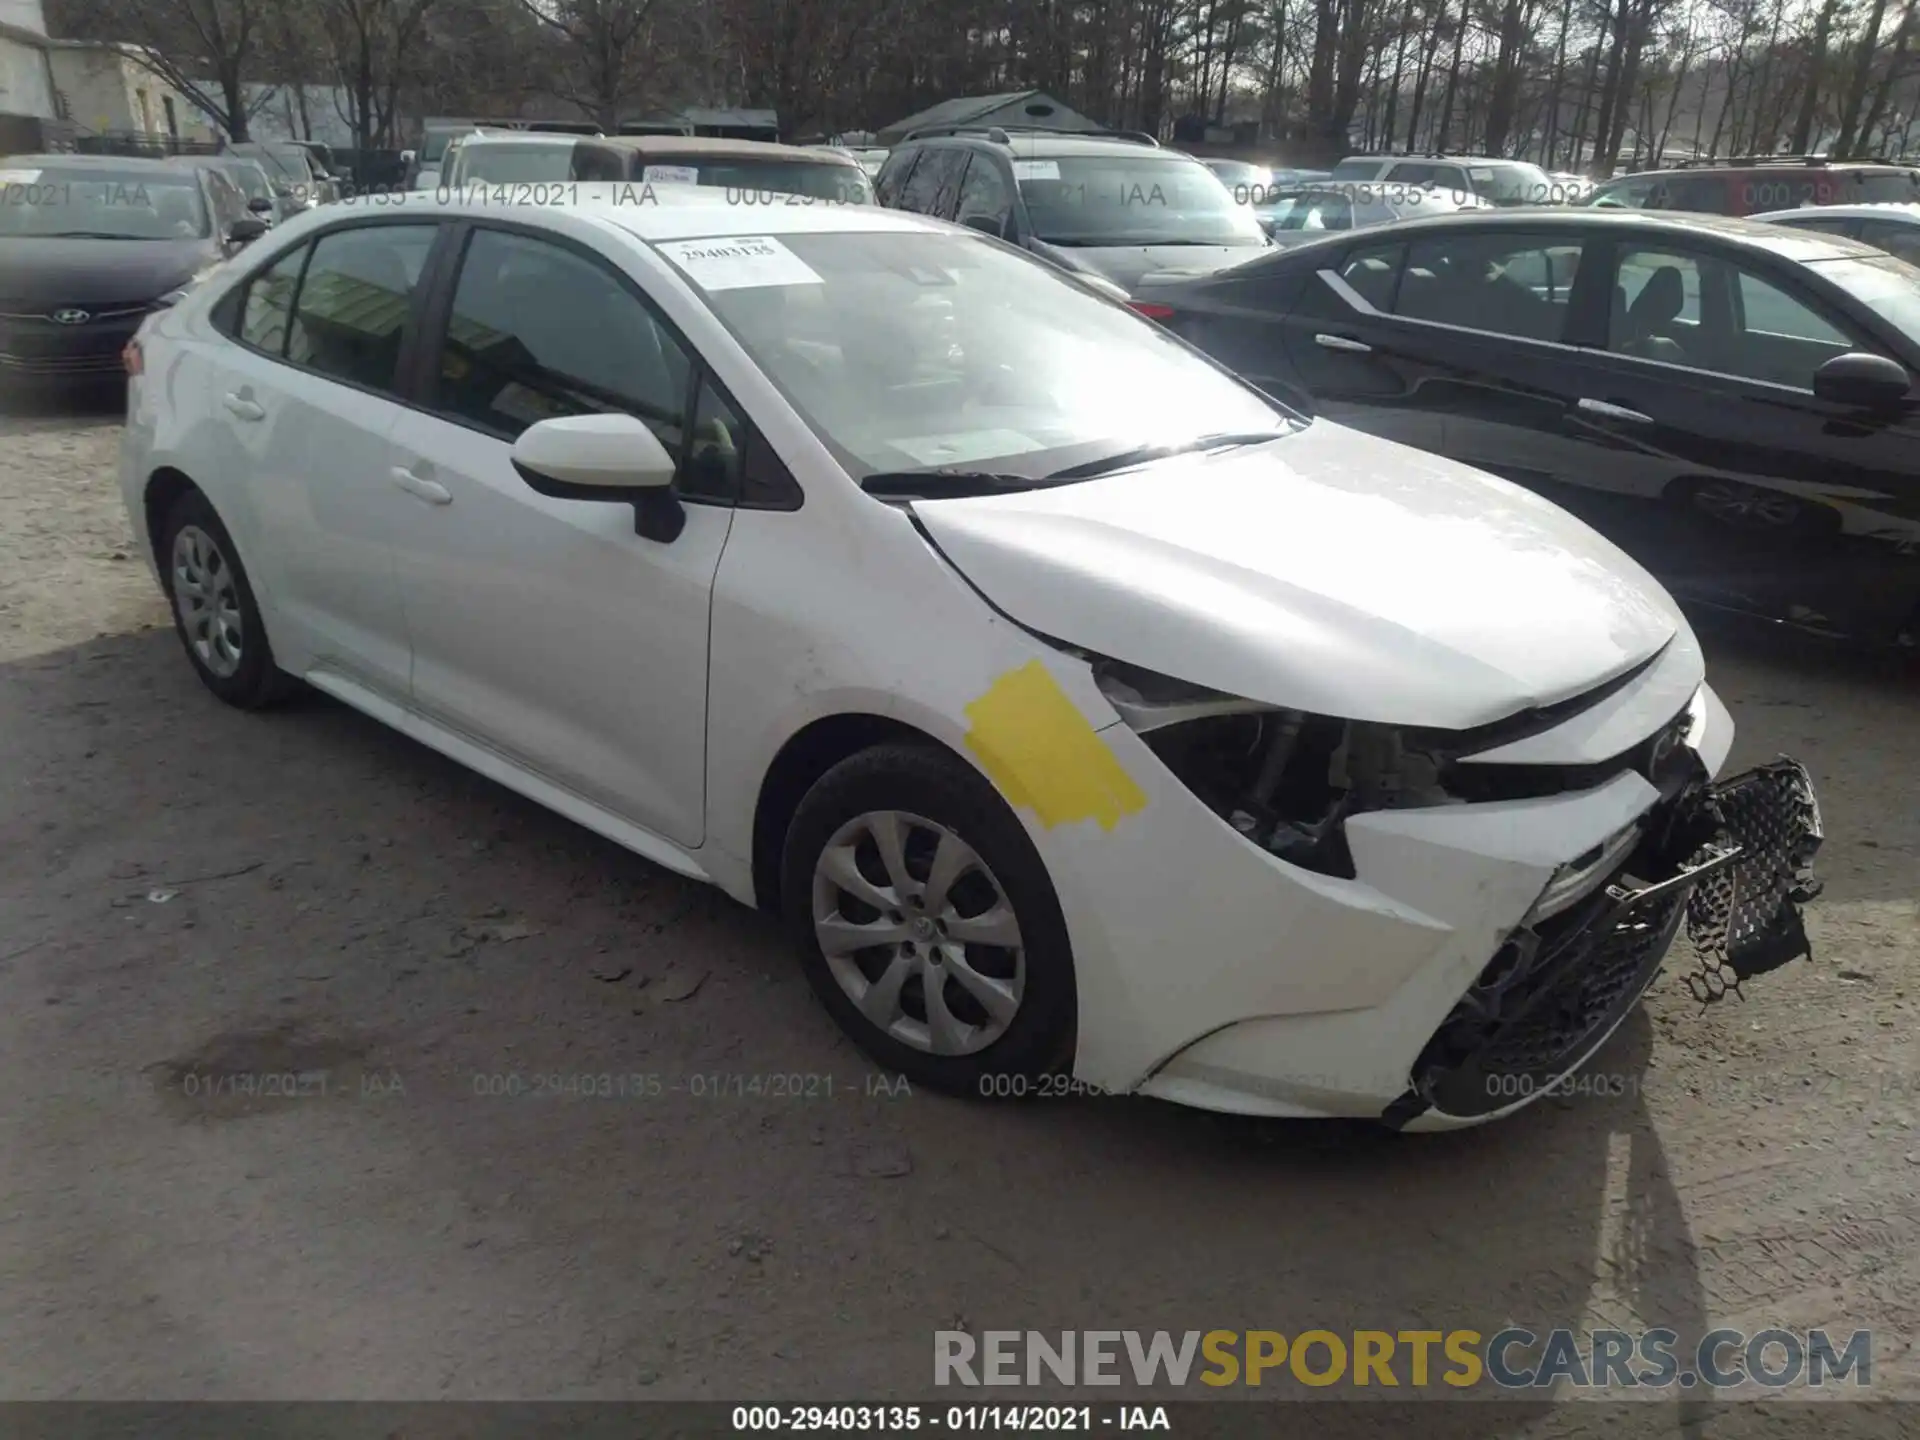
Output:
x,y
987,225
246,230
407,157
260,205
1871,382
605,458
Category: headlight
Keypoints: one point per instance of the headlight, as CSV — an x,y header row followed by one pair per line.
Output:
x,y
1285,779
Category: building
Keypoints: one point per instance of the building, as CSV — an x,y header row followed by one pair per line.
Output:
x,y
1024,109
103,89
28,116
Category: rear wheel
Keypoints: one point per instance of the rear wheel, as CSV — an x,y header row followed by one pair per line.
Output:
x,y
214,610
927,924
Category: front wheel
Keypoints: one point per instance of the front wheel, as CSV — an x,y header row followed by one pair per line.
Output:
x,y
927,924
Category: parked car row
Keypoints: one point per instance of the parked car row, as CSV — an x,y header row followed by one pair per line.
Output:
x,y
1094,718
92,245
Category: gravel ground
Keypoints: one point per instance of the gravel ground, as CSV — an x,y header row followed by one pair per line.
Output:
x,y
186,891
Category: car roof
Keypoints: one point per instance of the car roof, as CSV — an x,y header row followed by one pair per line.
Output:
x,y
1790,244
88,162
1442,160
522,137
1870,210
654,211
1791,164
1031,145
723,149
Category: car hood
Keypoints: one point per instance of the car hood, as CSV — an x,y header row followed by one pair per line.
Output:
x,y
1126,265
1328,571
58,272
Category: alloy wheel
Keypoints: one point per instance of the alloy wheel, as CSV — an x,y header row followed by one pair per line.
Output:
x,y
919,933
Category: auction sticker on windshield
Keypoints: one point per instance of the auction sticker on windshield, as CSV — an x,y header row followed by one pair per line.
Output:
x,y
1036,170
671,174
739,262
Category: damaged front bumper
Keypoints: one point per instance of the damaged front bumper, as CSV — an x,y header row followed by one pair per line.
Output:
x,y
1731,863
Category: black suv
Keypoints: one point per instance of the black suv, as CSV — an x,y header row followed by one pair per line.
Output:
x,y
1750,186
1110,203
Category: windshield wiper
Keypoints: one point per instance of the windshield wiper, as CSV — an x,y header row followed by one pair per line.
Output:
x,y
86,235
1129,458
943,482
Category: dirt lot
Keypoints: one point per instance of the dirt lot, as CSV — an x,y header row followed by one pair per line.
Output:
x,y
188,892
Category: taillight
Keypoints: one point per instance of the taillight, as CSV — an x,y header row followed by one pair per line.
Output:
x,y
1151,309
131,358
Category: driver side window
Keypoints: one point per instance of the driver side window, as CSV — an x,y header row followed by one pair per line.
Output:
x,y
1716,315
538,331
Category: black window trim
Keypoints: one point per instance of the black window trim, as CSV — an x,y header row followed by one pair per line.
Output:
x,y
439,284
1359,304
234,304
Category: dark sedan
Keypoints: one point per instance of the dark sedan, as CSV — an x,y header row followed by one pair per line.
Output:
x,y
90,245
1733,403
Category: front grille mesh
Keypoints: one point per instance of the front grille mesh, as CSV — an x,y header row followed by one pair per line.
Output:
x,y
1555,989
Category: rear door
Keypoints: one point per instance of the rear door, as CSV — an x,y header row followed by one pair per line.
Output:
x,y
310,391
1450,341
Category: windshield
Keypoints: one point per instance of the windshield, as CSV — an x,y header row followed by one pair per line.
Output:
x,y
102,204
1881,188
1124,199
1356,168
1885,285
915,351
480,163
1514,184
848,184
1239,176
251,179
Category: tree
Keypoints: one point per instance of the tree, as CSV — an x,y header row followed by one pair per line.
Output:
x,y
205,49
373,46
607,52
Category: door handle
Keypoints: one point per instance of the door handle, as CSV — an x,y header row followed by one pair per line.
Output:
x,y
431,491
241,407
1341,342
1614,412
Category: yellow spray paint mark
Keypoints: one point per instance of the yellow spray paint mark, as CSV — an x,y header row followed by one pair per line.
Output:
x,y
1044,755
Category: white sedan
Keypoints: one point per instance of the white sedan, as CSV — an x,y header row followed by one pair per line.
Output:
x,y
1092,720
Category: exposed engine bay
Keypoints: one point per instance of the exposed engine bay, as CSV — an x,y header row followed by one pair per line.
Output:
x,y
1288,780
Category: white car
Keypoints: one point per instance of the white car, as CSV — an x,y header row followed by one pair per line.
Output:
x,y
1092,720
1892,226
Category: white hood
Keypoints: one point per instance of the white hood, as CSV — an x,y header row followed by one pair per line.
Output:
x,y
1330,571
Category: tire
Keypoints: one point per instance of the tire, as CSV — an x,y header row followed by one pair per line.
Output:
x,y
935,799
196,553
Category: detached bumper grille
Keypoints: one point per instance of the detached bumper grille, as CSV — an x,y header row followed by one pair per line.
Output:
x,y
1737,864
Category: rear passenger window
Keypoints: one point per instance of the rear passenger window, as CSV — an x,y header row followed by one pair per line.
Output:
x,y
354,302
269,303
1501,284
1373,274
539,332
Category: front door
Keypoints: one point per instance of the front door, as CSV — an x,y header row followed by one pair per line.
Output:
x,y
1711,459
547,629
